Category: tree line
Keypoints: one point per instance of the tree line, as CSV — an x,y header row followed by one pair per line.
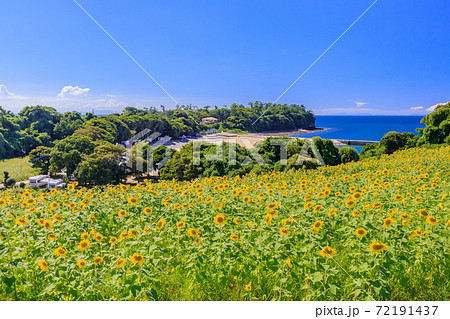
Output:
x,y
87,145
39,125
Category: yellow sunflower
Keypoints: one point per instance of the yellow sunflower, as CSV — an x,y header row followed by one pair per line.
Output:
x,y
268,219
220,219
124,235
132,200
43,265
350,203
147,210
360,232
388,222
432,220
120,263
137,259
327,252
21,221
84,244
234,237
332,212
356,213
133,232
191,232
181,225
423,213
357,195
98,261
161,224
377,247
317,226
54,205
60,252
47,224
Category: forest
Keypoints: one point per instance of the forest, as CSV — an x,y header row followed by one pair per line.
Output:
x,y
39,125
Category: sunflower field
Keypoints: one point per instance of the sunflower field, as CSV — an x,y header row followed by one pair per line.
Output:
x,y
374,229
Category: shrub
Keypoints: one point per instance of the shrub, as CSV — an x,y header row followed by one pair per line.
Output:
x,y
10,182
327,150
394,141
348,154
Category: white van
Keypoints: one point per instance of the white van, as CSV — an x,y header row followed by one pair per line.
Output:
x,y
34,181
55,183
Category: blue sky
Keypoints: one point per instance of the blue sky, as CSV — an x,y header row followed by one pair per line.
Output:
x,y
395,60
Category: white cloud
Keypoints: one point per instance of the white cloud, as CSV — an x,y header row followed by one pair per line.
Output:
x,y
5,94
432,108
73,91
358,103
348,111
416,108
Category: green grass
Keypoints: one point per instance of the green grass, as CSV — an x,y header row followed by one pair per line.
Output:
x,y
18,168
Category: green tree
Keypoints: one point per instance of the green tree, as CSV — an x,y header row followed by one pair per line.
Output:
x,y
106,164
95,133
40,158
327,150
348,154
158,156
40,118
393,141
69,152
437,128
69,123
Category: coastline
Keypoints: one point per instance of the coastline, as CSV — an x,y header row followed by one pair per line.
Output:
x,y
245,140
287,133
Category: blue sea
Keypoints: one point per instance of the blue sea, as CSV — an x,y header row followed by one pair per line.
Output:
x,y
370,128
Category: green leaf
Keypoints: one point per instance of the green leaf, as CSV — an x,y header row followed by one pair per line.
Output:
x,y
9,281
153,294
317,276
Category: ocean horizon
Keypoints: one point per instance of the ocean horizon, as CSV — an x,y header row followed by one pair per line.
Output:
x,y
359,127
363,127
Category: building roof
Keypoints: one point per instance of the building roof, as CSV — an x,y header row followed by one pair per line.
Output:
x,y
210,118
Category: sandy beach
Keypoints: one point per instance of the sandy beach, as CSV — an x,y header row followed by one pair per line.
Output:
x,y
244,140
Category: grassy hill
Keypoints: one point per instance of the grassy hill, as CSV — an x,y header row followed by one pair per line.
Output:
x,y
18,168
